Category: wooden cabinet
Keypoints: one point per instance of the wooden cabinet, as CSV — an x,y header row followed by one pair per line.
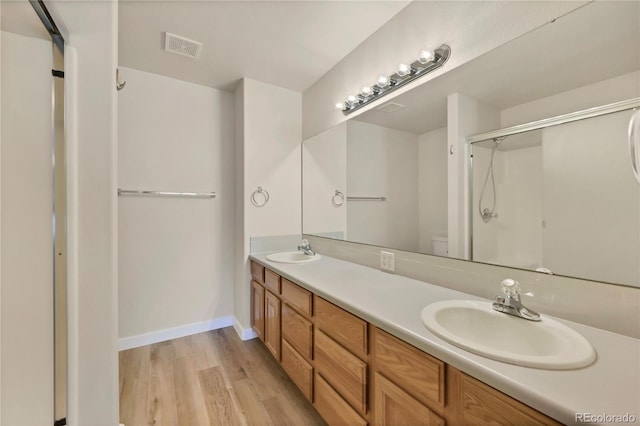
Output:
x,y
344,327
300,371
257,309
479,404
357,374
272,323
297,331
422,375
345,372
333,408
394,406
257,272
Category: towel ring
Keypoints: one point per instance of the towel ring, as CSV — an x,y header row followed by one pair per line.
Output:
x,y
265,196
338,199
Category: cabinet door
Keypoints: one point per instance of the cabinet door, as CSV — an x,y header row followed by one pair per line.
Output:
x,y
272,324
257,309
393,406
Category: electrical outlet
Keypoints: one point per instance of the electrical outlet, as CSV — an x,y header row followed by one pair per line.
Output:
x,y
387,261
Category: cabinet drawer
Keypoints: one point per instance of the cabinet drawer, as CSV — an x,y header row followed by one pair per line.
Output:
x,y
484,405
418,373
297,297
347,329
298,369
332,407
272,281
393,406
345,372
297,331
257,272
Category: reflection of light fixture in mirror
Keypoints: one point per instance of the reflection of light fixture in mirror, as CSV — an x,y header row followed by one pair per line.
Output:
x,y
383,81
403,70
425,57
428,61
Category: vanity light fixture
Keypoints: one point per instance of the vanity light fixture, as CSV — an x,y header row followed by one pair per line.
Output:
x,y
427,61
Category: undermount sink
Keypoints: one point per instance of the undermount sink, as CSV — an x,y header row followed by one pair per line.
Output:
x,y
476,327
292,257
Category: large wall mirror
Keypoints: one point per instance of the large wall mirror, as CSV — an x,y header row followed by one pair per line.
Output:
x,y
561,199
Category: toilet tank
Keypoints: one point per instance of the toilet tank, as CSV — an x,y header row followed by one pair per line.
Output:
x,y
440,245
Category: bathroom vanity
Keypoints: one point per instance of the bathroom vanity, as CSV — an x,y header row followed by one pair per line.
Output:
x,y
351,339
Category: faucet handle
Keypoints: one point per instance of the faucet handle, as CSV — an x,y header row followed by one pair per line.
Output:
x,y
305,243
511,288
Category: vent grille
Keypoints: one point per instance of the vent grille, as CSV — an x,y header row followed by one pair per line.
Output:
x,y
182,46
390,107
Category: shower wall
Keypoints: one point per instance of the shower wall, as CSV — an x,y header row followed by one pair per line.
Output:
x,y
514,237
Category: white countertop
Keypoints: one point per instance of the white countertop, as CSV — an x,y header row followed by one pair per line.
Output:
x,y
610,386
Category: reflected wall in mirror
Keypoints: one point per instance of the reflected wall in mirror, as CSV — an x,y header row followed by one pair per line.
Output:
x,y
400,150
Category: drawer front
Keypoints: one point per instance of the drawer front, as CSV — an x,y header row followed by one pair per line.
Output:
x,y
298,331
298,369
393,406
416,372
272,281
297,297
345,372
347,329
257,272
484,405
333,409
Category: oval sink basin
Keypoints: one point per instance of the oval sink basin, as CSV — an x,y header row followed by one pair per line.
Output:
x,y
476,327
292,257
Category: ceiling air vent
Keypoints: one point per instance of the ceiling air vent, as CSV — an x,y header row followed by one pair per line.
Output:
x,y
390,107
182,46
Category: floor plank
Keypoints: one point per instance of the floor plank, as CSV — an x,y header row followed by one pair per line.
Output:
x,y
211,378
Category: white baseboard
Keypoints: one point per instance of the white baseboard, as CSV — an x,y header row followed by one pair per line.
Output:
x,y
174,333
244,333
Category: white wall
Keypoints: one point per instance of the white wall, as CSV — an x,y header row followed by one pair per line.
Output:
x,y
26,212
471,28
324,170
616,89
175,255
382,162
268,154
432,187
465,116
91,136
514,237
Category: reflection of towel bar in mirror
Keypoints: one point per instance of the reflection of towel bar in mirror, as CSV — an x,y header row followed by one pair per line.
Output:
x,y
366,198
122,192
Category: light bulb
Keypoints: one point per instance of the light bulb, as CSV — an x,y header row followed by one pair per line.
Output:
x,y
352,100
383,81
366,91
426,56
403,70
340,106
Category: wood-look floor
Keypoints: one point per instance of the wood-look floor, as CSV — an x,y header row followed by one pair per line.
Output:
x,y
211,378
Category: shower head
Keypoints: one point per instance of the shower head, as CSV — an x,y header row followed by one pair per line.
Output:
x,y
498,141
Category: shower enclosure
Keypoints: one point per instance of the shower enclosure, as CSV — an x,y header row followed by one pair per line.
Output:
x,y
566,199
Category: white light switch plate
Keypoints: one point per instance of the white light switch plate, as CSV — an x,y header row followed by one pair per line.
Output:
x,y
387,261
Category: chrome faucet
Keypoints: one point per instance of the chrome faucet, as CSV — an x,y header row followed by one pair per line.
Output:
x,y
510,303
306,248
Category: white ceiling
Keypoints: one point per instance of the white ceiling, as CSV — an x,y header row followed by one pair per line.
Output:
x,y
18,17
596,42
290,44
